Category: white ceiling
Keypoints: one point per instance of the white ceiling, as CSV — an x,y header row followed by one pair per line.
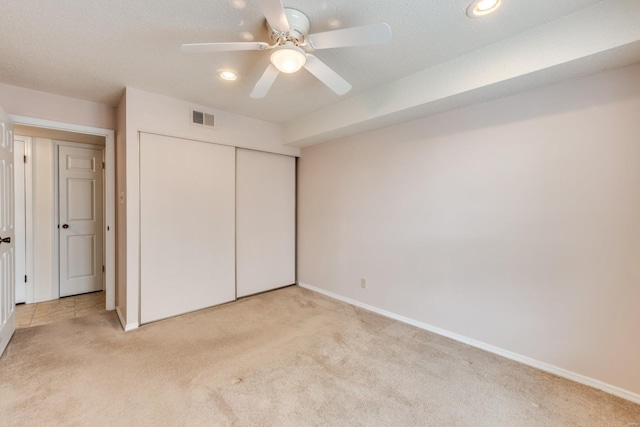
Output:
x,y
92,49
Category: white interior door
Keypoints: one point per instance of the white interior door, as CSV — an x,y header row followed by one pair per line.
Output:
x,y
266,223
187,218
20,219
7,235
80,219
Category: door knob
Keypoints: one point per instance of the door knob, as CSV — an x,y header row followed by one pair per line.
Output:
x,y
65,225
5,240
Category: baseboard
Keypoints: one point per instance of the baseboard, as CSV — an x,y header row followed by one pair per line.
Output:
x,y
126,327
617,391
131,326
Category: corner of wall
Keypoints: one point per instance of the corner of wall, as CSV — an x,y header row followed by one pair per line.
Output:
x,y
121,223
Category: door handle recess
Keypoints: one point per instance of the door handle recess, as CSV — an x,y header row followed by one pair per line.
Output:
x,y
65,226
5,240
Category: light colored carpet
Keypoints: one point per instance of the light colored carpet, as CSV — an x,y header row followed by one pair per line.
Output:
x,y
288,357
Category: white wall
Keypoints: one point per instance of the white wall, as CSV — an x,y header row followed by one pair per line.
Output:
x,y
515,223
153,113
58,135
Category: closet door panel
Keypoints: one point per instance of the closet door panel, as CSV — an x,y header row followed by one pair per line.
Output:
x,y
187,220
265,221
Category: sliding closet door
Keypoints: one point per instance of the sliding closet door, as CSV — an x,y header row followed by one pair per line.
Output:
x,y
187,242
265,221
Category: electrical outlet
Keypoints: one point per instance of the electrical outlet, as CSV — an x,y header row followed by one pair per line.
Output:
x,y
363,283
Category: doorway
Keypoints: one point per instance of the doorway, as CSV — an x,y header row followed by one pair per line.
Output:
x,y
84,180
67,235
80,218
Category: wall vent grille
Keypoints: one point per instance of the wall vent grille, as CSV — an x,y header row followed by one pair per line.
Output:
x,y
202,119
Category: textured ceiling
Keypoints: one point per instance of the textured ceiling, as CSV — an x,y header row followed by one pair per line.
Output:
x,y
92,49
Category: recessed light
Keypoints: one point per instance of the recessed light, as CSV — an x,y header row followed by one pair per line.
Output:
x,y
482,7
238,4
335,23
227,75
246,36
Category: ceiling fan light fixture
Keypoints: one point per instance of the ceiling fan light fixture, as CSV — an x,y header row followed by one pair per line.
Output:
x,y
482,7
288,58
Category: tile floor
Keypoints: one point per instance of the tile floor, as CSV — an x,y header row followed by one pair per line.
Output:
x,y
64,308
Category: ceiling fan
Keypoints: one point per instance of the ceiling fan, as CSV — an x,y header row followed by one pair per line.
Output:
x,y
292,44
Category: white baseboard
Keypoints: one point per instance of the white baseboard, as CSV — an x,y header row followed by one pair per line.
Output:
x,y
127,327
131,326
617,391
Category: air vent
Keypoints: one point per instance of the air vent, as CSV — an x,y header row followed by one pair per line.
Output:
x,y
202,119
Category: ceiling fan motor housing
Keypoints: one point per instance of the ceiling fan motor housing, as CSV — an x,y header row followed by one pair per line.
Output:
x,y
299,25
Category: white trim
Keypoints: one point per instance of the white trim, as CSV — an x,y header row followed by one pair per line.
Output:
x,y
139,226
19,171
110,201
55,224
617,391
130,326
27,233
110,219
29,236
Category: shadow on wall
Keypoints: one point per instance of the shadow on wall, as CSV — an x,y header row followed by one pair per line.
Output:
x,y
548,101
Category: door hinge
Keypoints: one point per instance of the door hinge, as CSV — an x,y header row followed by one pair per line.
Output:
x,y
103,268
102,165
25,278
25,158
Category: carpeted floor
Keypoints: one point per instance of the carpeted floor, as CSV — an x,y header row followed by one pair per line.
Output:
x,y
285,358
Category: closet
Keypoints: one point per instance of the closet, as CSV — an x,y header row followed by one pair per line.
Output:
x,y
216,223
265,221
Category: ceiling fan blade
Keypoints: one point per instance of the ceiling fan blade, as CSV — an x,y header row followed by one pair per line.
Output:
x,y
274,12
266,81
222,47
326,75
356,36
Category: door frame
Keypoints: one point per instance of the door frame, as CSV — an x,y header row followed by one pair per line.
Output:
x,y
26,212
109,194
56,200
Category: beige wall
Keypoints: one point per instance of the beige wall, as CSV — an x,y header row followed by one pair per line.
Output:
x,y
58,135
42,105
515,223
44,287
121,223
